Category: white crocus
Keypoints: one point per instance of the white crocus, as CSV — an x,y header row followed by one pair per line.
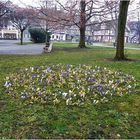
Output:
x,y
64,94
129,86
7,84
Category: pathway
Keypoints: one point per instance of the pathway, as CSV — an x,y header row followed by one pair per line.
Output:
x,y
10,47
104,45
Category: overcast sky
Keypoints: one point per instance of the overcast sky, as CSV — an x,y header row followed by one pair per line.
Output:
x,y
30,2
25,2
131,16
36,2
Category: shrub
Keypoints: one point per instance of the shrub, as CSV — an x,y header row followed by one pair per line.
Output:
x,y
38,35
68,84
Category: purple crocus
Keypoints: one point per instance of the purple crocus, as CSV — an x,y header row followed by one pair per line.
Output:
x,y
118,81
104,93
91,86
91,80
99,87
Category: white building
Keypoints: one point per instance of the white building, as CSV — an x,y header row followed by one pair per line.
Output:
x,y
71,34
107,34
99,33
9,32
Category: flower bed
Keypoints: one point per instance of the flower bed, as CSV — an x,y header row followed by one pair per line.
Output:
x,y
68,84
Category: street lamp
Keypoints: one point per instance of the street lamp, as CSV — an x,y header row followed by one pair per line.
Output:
x,y
47,41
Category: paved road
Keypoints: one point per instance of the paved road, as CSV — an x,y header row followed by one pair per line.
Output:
x,y
10,47
103,45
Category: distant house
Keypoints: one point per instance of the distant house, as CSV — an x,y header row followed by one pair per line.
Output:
x,y
69,34
7,30
106,33
58,36
97,33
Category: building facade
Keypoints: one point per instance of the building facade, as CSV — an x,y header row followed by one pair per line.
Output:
x,y
102,33
7,30
9,33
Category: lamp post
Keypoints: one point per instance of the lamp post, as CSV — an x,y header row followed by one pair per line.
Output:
x,y
46,25
47,43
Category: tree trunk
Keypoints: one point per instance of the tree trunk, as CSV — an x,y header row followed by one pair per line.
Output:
x,y
82,24
139,39
121,30
21,37
138,28
82,38
139,33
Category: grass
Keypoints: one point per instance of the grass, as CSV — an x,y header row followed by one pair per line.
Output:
x,y
119,118
130,45
25,43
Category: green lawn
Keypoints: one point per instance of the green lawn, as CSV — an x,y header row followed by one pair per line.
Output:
x,y
119,118
131,45
24,43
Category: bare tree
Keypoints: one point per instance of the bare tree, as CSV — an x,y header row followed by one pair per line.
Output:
x,y
3,8
123,10
76,13
137,28
22,19
134,24
134,27
43,14
113,7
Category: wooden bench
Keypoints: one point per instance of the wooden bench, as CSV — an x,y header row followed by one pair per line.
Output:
x,y
48,49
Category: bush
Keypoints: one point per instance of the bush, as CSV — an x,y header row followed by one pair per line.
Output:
x,y
38,35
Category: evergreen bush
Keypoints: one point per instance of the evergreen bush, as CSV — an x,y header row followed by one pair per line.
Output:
x,y
38,35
